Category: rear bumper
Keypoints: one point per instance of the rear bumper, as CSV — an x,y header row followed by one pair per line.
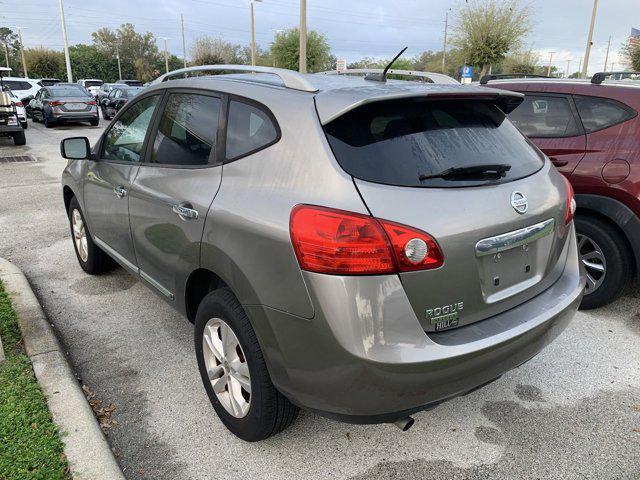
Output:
x,y
85,116
364,358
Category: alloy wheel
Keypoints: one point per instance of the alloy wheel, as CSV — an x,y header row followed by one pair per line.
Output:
x,y
594,261
227,367
79,235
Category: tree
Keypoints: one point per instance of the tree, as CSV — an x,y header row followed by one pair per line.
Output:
x,y
138,51
486,30
44,62
212,51
10,39
285,50
631,53
88,61
521,62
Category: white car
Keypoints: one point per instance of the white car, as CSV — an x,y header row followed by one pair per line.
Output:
x,y
22,113
92,85
22,87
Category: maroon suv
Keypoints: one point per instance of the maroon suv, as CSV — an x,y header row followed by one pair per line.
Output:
x,y
591,133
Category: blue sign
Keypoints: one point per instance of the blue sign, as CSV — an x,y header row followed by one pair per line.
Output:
x,y
467,72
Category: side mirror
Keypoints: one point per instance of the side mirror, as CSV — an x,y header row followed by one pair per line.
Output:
x,y
75,148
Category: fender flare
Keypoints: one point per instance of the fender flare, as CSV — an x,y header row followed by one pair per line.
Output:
x,y
619,214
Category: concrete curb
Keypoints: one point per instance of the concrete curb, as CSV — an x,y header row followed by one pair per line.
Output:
x,y
85,446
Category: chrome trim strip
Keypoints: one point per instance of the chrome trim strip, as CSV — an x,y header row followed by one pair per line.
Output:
x,y
517,238
156,285
115,255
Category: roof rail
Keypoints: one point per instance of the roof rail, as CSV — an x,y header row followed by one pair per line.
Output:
x,y
487,78
290,79
600,77
434,77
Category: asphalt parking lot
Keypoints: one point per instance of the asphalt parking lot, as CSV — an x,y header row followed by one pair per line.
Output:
x,y
572,412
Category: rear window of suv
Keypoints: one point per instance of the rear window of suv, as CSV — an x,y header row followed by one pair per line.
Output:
x,y
395,142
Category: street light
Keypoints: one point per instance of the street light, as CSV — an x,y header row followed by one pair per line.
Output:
x,y
253,36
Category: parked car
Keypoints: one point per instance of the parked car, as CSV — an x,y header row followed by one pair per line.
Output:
x,y
104,91
22,87
591,132
92,85
10,123
20,110
362,248
118,97
131,83
64,102
48,82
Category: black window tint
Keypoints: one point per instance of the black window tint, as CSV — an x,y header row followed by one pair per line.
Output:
x,y
248,129
125,138
598,113
545,116
17,85
187,131
395,142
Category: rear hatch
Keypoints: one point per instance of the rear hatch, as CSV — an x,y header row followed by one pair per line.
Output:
x,y
497,253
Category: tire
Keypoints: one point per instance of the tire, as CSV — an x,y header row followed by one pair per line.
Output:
x,y
25,125
597,235
269,411
96,261
48,123
104,115
95,123
20,139
34,117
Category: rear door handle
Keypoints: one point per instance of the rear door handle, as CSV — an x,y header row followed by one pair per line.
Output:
x,y
120,191
185,212
557,162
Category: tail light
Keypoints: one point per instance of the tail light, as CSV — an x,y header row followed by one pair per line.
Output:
x,y
347,243
55,104
92,102
571,202
18,104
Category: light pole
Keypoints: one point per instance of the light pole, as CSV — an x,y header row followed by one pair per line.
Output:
x,y
568,64
303,37
166,55
585,65
24,62
6,53
67,58
118,57
606,57
550,60
444,47
253,35
184,45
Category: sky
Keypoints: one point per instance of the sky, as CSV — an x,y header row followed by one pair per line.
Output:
x,y
354,28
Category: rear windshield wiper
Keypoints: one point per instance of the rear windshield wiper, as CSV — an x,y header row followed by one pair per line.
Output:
x,y
499,169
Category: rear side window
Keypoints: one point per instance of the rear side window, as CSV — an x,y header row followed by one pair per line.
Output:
x,y
541,116
187,131
395,142
248,129
17,85
598,113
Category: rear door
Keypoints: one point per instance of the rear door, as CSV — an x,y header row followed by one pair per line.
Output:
x,y
552,123
497,254
175,187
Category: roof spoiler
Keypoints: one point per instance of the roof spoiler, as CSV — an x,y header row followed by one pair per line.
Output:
x,y
290,79
499,76
434,77
600,77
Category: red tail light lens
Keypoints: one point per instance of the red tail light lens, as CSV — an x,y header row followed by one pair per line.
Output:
x,y
56,104
92,102
571,201
346,243
19,104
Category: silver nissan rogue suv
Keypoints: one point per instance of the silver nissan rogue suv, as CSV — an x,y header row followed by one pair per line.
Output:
x,y
359,247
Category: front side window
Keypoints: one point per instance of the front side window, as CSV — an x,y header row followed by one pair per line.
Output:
x,y
598,113
545,116
124,140
187,131
248,129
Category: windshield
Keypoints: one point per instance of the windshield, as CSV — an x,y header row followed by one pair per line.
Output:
x,y
396,142
68,91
